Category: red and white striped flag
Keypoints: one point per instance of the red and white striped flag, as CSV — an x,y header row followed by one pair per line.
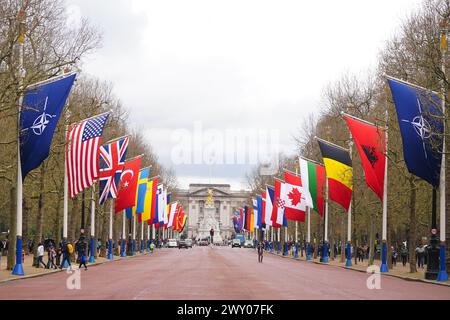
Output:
x,y
82,153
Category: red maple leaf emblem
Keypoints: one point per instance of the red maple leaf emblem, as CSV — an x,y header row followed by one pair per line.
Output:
x,y
295,196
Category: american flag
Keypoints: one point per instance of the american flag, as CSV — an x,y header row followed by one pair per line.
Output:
x,y
82,162
112,162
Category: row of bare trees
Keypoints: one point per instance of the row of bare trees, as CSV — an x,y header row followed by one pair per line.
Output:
x,y
52,47
413,55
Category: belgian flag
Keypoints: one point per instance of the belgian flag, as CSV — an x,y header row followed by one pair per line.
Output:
x,y
338,166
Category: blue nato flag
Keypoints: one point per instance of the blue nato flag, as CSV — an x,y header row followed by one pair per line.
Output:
x,y
420,120
41,109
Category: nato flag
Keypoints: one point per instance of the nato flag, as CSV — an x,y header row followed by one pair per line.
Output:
x,y
420,119
41,109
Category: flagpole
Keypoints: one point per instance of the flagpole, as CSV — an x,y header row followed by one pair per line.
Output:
x,y
134,236
142,238
308,237
348,262
442,275
324,258
384,266
92,242
66,201
148,238
278,240
122,246
18,267
110,244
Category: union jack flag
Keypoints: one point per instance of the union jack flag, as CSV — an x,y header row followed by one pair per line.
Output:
x,y
112,161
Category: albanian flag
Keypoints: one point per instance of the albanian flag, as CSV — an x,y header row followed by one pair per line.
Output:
x,y
371,143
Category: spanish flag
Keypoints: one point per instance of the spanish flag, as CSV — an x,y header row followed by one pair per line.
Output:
x,y
338,166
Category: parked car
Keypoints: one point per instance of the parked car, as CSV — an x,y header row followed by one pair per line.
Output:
x,y
203,242
236,243
248,244
172,243
188,243
182,244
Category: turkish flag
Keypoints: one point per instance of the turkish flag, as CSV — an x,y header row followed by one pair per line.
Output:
x,y
126,196
371,143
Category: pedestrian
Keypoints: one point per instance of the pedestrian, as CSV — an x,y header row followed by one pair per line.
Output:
x,y
40,253
152,247
81,248
260,251
51,257
67,251
30,246
404,255
394,257
420,253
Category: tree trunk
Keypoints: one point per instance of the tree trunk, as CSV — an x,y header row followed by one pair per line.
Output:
x,y
12,229
412,226
39,217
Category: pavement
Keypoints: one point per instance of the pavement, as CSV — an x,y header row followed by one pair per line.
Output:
x,y
210,273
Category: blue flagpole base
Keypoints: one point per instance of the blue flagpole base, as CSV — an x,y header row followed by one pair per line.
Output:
x,y
442,275
278,248
122,249
142,247
65,264
18,268
91,249
324,258
308,252
133,252
147,248
308,257
296,252
110,253
384,268
348,262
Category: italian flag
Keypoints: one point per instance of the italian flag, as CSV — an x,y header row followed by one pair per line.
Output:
x,y
313,180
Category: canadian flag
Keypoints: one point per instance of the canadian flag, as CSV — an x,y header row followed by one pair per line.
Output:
x,y
292,195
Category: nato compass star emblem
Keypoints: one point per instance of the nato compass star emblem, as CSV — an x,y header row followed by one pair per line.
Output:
x,y
422,128
42,121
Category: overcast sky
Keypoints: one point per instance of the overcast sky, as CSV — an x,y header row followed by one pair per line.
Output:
x,y
216,67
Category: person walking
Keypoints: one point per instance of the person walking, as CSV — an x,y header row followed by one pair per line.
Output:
x,y
51,257
260,251
81,248
404,255
40,253
420,252
152,246
67,250
394,257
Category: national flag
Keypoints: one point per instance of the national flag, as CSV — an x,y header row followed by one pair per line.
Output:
x,y
371,143
112,161
293,196
162,203
149,202
260,204
82,153
338,166
263,209
172,211
255,213
40,112
313,181
269,205
420,119
278,205
126,197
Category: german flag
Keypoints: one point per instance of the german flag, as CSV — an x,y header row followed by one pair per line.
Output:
x,y
338,166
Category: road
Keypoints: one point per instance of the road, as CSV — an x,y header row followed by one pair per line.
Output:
x,y
217,273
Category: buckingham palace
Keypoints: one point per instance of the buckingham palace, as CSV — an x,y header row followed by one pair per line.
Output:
x,y
226,202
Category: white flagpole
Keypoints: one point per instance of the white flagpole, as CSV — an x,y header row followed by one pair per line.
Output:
x,y
308,235
142,237
110,244
124,219
148,238
134,235
18,267
348,262
324,258
92,244
384,267
442,275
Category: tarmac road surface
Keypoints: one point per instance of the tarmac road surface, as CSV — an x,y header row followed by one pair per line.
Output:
x,y
209,273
